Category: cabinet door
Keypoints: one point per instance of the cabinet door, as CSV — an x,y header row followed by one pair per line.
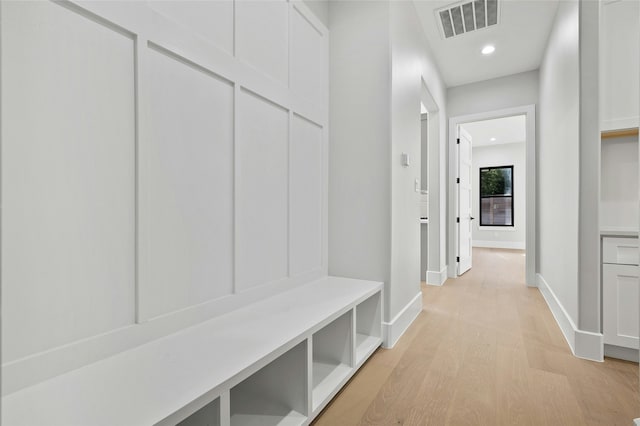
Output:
x,y
620,38
620,298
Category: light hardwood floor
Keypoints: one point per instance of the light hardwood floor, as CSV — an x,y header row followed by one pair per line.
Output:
x,y
486,351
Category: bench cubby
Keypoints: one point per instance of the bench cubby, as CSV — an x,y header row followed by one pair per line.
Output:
x,y
274,362
274,395
209,415
368,327
332,357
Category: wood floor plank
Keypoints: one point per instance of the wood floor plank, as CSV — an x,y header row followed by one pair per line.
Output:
x,y
486,350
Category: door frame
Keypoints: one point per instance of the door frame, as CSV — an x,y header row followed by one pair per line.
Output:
x,y
529,111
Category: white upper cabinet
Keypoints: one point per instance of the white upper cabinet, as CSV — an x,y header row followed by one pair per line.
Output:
x,y
620,64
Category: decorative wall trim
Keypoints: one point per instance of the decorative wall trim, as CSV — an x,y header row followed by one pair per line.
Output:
x,y
151,31
392,331
437,278
583,344
515,245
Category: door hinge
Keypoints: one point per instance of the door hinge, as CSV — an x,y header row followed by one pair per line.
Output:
x,y
457,180
458,141
457,220
458,259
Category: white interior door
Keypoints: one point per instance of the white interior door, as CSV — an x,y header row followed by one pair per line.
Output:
x,y
464,201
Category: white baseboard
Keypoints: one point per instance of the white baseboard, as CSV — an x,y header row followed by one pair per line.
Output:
x,y
636,422
437,278
514,245
583,344
392,331
589,345
618,352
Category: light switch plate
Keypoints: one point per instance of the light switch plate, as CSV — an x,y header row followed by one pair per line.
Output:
x,y
405,159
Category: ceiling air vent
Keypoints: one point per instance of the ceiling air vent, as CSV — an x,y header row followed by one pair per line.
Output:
x,y
469,16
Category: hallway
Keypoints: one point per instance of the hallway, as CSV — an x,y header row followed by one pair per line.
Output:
x,y
486,350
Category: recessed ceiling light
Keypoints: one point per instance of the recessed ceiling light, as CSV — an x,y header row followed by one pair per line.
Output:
x,y
488,49
493,139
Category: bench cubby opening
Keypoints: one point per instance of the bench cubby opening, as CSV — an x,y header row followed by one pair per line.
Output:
x,y
209,415
332,357
368,327
274,395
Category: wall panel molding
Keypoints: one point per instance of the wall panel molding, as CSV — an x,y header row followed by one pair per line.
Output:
x,y
154,33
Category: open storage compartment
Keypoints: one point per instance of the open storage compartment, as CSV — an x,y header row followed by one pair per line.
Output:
x,y
619,182
368,327
209,415
274,395
332,350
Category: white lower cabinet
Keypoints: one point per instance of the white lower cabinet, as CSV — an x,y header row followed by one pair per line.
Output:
x,y
620,293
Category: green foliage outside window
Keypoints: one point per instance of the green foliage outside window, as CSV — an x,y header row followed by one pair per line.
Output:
x,y
495,181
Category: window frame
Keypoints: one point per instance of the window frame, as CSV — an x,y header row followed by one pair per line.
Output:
x,y
480,197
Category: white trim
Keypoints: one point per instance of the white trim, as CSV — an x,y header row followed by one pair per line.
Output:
x,y
392,331
589,345
530,112
497,228
636,422
516,245
437,278
619,352
561,316
583,344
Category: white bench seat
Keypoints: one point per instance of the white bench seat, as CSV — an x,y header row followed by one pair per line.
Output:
x,y
166,380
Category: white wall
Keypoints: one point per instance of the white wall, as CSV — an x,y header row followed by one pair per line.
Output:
x,y
500,155
379,59
141,199
321,9
558,160
360,131
411,64
495,94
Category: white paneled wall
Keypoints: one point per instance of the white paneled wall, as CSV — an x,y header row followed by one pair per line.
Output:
x,y
212,20
186,188
263,193
306,180
162,163
261,36
68,178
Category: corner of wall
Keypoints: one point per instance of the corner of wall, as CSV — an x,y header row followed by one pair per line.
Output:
x,y
583,344
437,277
393,330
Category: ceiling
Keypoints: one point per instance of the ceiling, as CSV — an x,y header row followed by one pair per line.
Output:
x,y
520,38
504,130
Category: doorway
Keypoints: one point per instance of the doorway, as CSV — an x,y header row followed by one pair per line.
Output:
x,y
492,194
424,192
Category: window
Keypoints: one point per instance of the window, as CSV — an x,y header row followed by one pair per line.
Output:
x,y
496,196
